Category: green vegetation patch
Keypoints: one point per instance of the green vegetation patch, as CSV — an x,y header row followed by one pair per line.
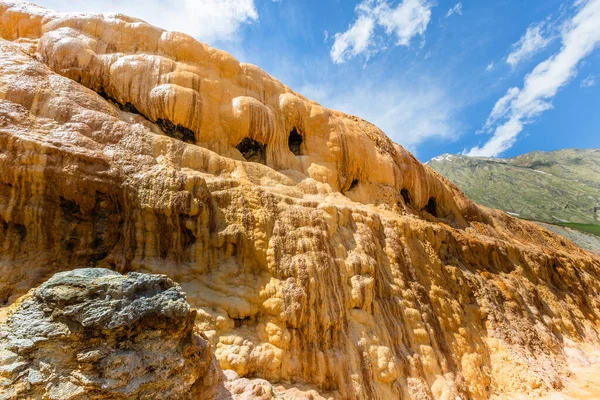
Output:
x,y
594,229
556,187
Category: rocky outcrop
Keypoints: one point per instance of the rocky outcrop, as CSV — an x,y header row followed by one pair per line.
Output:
x,y
96,334
320,255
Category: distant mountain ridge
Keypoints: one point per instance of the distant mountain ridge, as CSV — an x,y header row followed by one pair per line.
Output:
x,y
556,187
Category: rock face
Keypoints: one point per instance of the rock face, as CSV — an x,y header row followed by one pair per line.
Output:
x,y
96,334
320,255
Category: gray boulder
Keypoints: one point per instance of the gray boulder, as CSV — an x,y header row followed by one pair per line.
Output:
x,y
97,334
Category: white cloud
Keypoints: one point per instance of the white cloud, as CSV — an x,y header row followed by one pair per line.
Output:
x,y
407,20
354,41
489,67
588,82
519,107
535,39
206,20
501,108
457,9
410,113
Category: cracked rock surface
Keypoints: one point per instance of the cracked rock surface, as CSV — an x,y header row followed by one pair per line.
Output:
x,y
96,334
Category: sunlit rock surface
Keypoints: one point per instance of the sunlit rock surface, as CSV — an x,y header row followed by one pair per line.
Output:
x,y
321,257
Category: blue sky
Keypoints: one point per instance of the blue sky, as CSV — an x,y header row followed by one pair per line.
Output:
x,y
493,78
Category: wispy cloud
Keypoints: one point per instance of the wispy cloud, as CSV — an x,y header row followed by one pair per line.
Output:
x,y
535,39
588,82
519,107
457,9
403,22
206,20
501,108
356,40
409,19
410,113
489,67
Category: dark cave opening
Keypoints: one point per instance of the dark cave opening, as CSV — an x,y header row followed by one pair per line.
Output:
x,y
176,131
253,150
295,142
431,207
21,230
70,209
406,196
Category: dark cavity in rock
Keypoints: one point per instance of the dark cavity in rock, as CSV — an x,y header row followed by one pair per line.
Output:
x,y
431,207
70,209
295,142
176,131
406,196
253,151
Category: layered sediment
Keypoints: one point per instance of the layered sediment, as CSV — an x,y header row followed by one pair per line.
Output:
x,y
320,255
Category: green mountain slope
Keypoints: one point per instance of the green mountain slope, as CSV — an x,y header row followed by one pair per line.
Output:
x,y
556,187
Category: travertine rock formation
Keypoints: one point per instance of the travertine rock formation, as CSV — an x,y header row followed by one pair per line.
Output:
x,y
319,254
96,334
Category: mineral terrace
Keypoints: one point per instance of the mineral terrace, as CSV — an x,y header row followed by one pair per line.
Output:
x,y
321,258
